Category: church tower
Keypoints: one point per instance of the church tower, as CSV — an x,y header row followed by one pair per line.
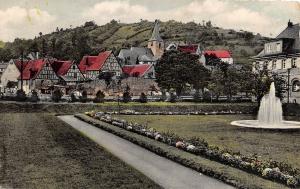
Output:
x,y
156,43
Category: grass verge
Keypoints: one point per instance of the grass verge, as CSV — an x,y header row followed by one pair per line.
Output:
x,y
40,151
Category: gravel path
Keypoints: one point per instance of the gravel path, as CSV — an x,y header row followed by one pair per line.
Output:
x,y
166,173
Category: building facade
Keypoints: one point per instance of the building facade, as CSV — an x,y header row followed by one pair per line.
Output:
x,y
92,66
9,75
282,56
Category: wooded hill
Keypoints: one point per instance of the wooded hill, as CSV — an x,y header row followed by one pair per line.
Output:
x,y
73,43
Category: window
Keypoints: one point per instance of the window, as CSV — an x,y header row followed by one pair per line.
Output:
x,y
294,63
75,75
283,64
274,64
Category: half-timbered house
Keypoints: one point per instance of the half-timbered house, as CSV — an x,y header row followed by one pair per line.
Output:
x,y
92,66
68,72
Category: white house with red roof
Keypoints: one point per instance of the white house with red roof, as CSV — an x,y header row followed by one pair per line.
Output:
x,y
91,66
67,71
224,55
141,70
31,71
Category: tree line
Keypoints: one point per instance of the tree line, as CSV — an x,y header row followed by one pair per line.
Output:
x,y
178,72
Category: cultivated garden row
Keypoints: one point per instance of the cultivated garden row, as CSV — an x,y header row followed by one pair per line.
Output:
x,y
272,170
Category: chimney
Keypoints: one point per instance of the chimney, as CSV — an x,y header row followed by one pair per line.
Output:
x,y
290,24
37,55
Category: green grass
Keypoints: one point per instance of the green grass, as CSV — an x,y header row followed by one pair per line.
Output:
x,y
40,151
216,130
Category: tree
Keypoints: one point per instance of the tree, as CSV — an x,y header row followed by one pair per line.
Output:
x,y
126,95
99,97
56,95
143,98
200,77
84,97
173,71
107,77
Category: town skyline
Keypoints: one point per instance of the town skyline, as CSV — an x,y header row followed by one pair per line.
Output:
x,y
25,19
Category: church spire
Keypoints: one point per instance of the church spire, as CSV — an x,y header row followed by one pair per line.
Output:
x,y
155,34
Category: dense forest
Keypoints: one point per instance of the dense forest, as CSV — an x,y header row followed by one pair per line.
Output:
x,y
73,43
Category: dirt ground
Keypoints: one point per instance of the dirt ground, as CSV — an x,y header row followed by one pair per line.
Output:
x,y
39,151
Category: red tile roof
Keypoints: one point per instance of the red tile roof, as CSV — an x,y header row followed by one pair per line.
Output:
x,y
61,68
219,53
90,63
136,70
31,69
18,64
188,48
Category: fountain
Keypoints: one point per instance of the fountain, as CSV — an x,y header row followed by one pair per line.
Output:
x,y
269,115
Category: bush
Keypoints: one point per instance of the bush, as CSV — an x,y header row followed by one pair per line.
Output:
x,y
207,96
83,97
126,95
99,97
143,98
34,96
197,97
21,96
73,98
56,95
173,97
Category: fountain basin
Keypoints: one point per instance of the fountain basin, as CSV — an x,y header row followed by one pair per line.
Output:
x,y
283,125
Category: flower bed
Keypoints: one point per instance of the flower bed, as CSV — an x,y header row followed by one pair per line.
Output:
x,y
200,112
272,170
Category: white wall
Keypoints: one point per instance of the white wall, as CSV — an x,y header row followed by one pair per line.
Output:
x,y
11,73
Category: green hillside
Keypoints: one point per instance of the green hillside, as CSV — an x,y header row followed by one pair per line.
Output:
x,y
73,43
2,44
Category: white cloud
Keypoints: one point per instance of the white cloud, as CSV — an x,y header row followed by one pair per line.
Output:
x,y
119,10
24,23
222,13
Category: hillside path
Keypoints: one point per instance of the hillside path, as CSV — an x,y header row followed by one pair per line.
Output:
x,y
164,172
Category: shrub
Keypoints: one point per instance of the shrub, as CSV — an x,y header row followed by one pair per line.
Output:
x,y
197,97
56,95
73,98
173,97
21,96
83,97
34,96
126,95
143,98
207,96
99,97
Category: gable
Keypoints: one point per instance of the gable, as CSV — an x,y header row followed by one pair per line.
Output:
x,y
74,72
111,64
47,72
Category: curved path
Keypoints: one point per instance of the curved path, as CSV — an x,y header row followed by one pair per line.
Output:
x,y
164,172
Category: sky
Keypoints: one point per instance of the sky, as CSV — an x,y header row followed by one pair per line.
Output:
x,y
26,18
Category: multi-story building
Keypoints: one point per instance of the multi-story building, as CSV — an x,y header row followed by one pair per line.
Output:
x,y
282,56
92,66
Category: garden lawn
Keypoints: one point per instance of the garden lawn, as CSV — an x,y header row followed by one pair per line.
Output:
x,y
40,151
217,131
